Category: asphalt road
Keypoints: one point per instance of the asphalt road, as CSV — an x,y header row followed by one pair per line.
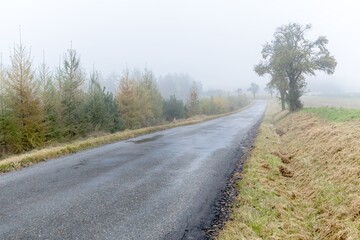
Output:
x,y
157,186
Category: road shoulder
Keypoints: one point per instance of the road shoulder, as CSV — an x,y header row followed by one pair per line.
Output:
x,y
300,182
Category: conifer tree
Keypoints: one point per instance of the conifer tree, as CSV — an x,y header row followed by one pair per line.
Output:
x,y
193,104
25,128
116,122
140,102
151,100
129,102
71,80
100,107
173,108
48,99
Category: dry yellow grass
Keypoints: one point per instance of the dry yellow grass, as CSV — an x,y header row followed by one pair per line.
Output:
x,y
302,181
23,160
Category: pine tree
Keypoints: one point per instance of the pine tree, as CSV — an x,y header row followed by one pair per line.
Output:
x,y
116,122
193,104
129,102
71,79
25,127
100,107
173,108
151,100
139,100
48,99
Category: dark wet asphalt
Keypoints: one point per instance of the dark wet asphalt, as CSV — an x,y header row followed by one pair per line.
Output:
x,y
157,186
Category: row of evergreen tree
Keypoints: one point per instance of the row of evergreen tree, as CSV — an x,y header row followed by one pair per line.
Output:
x,y
41,106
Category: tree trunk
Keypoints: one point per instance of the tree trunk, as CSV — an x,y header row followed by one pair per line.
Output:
x,y
283,100
294,96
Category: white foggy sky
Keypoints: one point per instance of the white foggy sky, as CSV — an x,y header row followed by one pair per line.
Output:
x,y
216,42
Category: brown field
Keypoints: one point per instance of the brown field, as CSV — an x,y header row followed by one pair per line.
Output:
x,y
345,102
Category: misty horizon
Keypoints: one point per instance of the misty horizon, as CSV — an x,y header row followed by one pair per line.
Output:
x,y
216,43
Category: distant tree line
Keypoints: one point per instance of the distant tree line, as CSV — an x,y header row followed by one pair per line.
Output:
x,y
178,84
39,106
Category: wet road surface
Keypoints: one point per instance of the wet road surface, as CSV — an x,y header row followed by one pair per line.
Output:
x,y
157,186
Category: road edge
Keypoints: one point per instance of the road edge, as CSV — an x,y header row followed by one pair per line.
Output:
x,y
219,210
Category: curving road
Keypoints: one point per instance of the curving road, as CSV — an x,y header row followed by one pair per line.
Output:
x,y
158,186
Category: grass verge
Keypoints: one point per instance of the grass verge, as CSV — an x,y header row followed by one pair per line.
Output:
x,y
16,162
302,181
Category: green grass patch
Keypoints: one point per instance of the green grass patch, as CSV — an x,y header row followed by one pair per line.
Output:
x,y
335,114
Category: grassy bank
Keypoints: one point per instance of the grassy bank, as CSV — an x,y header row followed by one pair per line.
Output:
x,y
23,160
302,180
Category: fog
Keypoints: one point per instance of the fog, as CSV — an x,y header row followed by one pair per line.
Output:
x,y
215,42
